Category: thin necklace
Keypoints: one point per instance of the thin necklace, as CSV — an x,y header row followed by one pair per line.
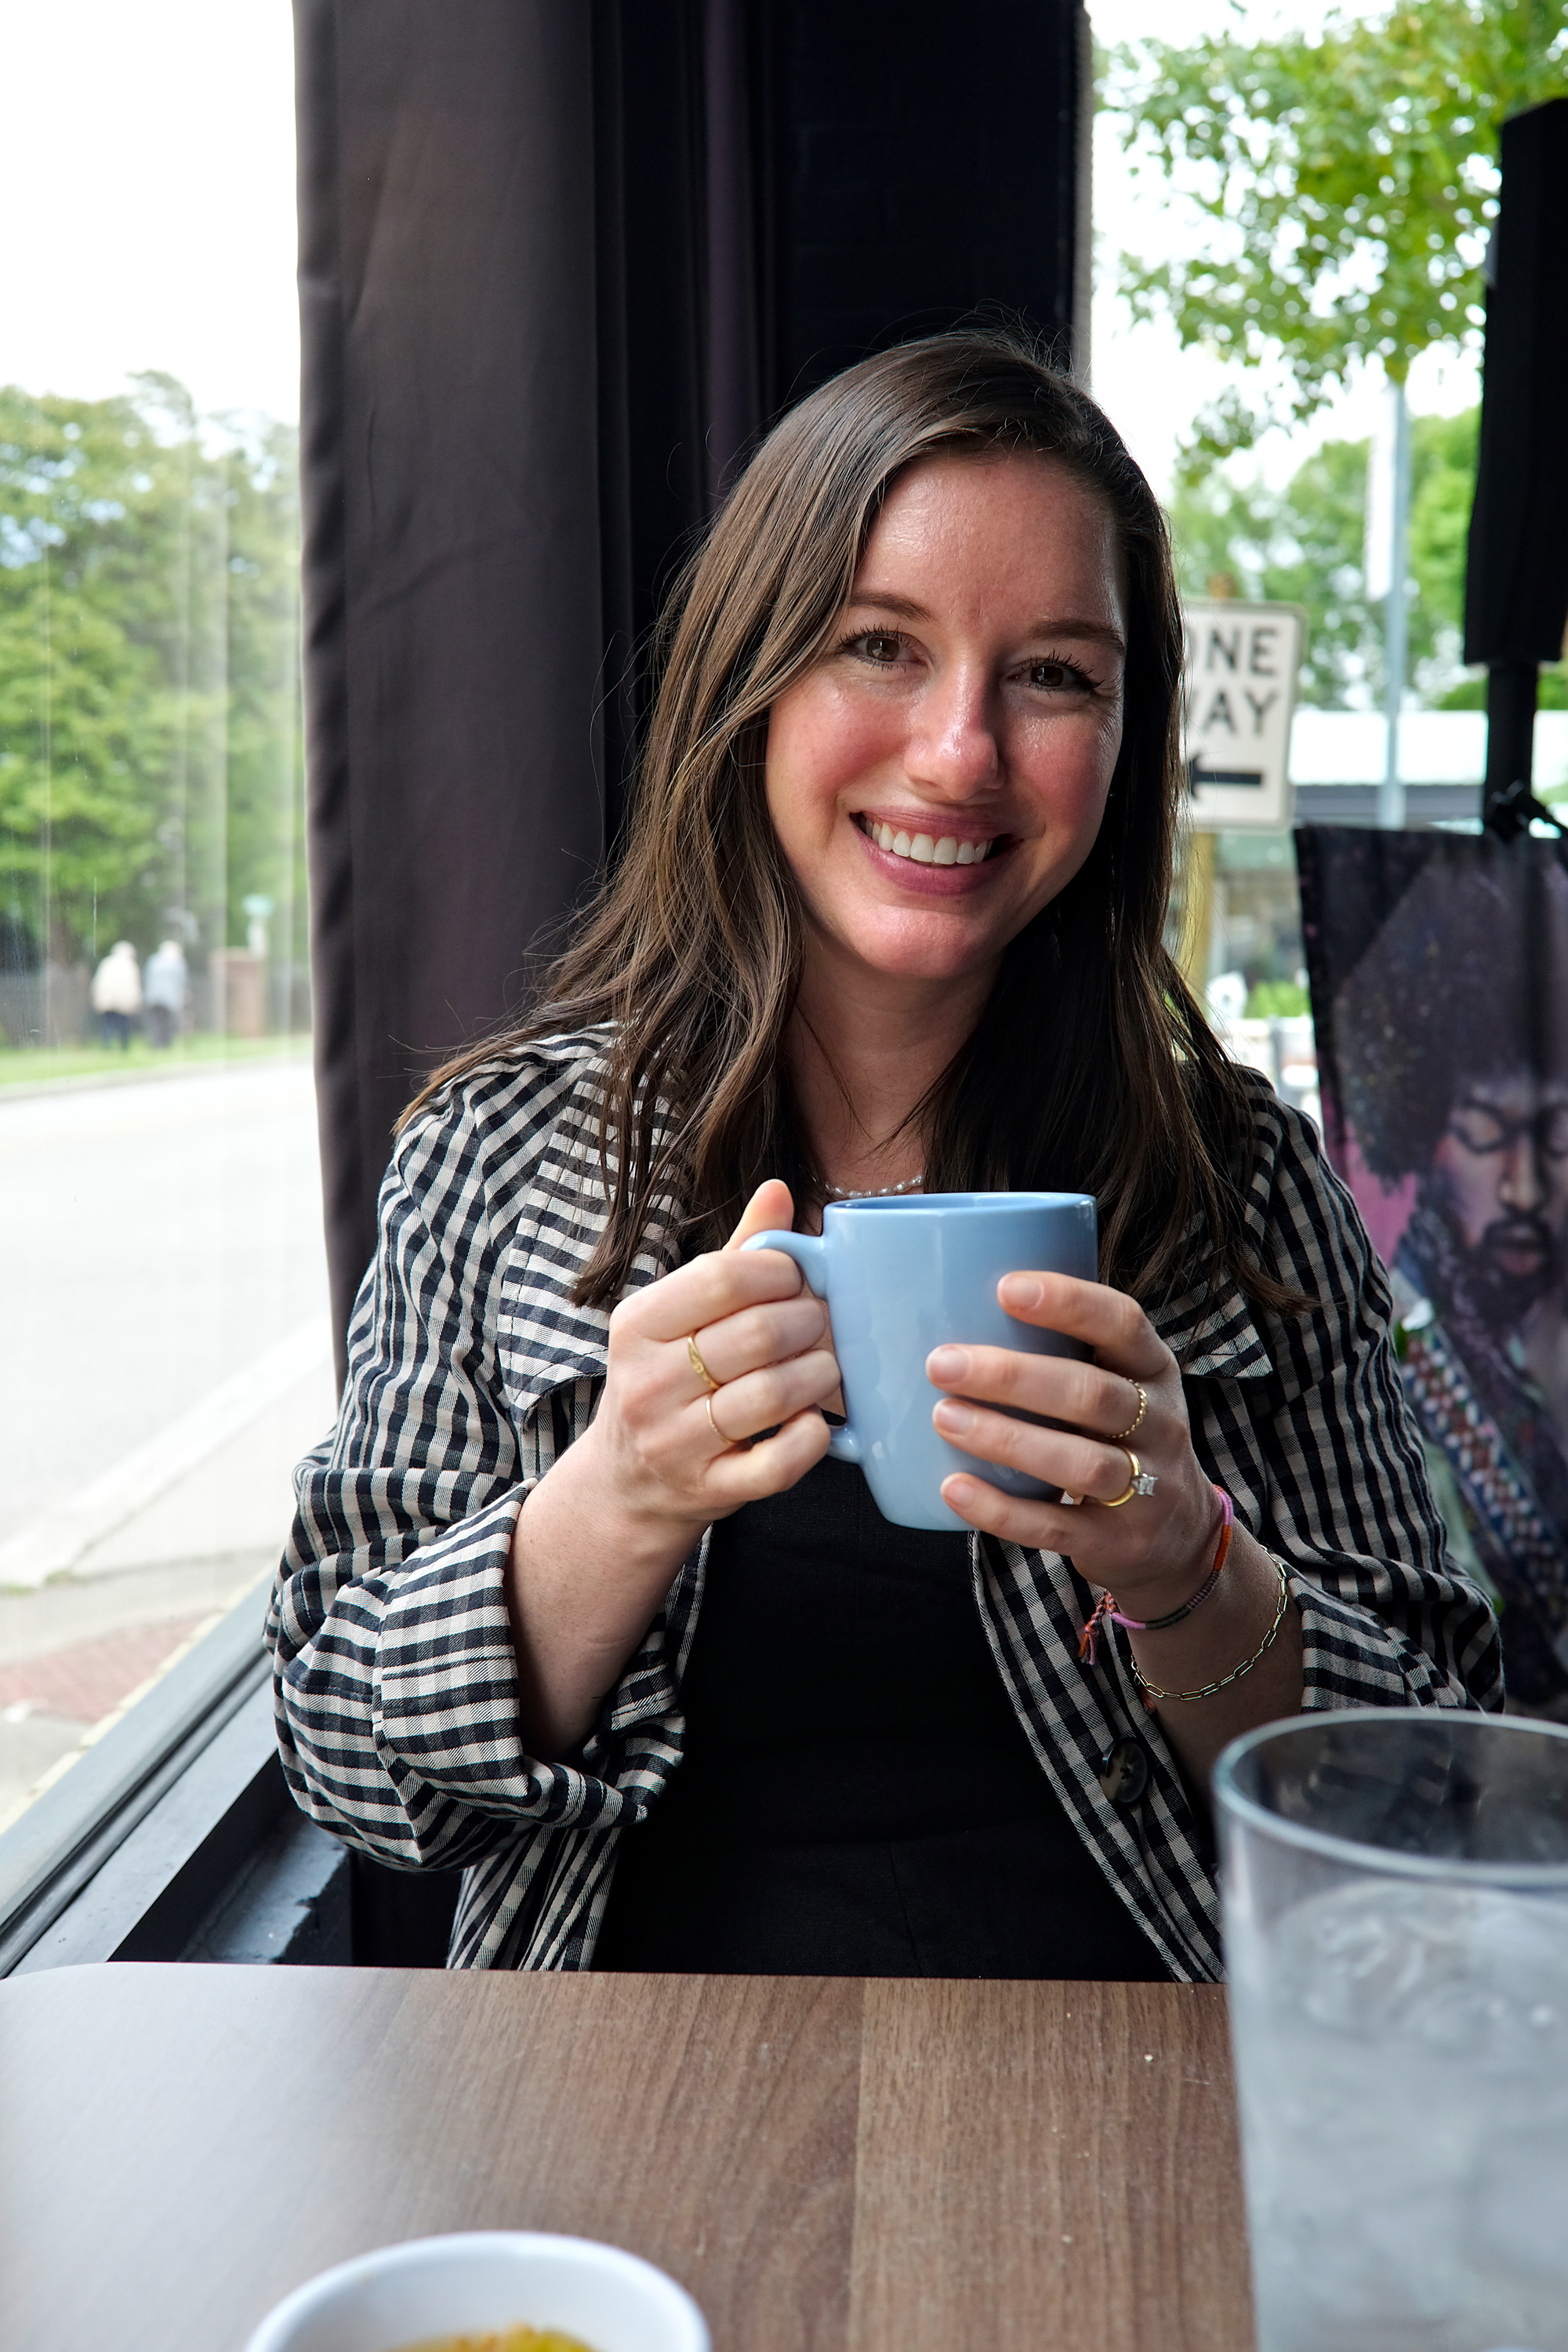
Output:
x,y
873,1191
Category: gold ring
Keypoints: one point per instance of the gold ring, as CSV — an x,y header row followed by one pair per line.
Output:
x,y
1120,1436
694,1357
1139,1482
728,1443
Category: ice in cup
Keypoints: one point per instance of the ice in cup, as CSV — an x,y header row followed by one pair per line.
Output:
x,y
1395,1894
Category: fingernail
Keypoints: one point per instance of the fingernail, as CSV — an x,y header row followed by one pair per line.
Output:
x,y
947,1364
1021,1290
958,1493
953,1418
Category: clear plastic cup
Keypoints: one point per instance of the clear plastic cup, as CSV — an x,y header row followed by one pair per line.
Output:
x,y
1396,1897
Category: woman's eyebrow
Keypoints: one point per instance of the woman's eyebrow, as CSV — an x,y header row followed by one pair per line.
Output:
x,y
1065,624
886,601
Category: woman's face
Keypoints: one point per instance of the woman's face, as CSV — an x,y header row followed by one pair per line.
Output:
x,y
943,774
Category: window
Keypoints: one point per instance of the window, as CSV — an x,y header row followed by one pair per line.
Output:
x,y
167,1348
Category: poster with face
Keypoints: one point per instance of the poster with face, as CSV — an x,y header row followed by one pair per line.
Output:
x,y
1439,975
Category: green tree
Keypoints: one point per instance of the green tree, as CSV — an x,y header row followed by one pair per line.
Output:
x,y
1439,535
1349,179
149,753
87,724
1442,489
1304,544
264,800
1301,545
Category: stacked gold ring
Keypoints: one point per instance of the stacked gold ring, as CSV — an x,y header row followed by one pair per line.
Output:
x,y
711,1387
1120,1436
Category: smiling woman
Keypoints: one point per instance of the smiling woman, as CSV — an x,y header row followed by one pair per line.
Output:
x,y
941,777
574,1597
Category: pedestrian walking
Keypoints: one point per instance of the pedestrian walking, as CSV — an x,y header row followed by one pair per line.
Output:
x,y
117,994
164,984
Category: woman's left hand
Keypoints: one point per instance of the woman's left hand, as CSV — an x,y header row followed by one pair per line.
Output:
x,y
1158,1546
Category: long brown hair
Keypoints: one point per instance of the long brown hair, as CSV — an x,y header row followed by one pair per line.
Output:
x,y
1092,1069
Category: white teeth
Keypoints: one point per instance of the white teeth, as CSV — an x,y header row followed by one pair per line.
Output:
x,y
925,849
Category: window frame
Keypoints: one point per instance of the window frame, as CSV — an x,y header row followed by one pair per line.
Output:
x,y
52,1855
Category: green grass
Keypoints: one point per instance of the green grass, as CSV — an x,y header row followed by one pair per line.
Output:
x,y
1470,693
32,1065
1277,999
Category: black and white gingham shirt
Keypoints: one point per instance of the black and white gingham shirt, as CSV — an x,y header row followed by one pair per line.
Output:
x,y
470,1370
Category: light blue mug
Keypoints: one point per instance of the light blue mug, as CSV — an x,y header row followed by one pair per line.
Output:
x,y
902,1276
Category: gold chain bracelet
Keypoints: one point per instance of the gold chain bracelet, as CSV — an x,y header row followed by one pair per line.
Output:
x,y
1151,1691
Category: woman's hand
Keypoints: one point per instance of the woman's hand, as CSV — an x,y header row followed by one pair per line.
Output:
x,y
1153,1541
602,1535
675,1453
1153,1550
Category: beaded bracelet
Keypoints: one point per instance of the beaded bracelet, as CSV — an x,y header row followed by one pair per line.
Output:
x,y
1105,1608
1151,1691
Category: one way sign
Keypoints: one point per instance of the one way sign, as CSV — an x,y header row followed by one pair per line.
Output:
x,y
1241,666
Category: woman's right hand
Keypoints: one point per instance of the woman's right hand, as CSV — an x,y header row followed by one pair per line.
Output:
x,y
672,1451
602,1535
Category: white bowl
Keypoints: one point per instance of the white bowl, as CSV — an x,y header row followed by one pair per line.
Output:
x,y
615,2302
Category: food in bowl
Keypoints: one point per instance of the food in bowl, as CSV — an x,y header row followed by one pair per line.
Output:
x,y
495,2288
505,2339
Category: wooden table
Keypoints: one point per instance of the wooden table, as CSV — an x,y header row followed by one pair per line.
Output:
x,y
831,2163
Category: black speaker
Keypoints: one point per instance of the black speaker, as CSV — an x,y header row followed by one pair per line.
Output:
x,y
1516,587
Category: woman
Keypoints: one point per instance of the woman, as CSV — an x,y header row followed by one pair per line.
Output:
x,y
572,1596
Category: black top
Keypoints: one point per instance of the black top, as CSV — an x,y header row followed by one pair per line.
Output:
x,y
856,1795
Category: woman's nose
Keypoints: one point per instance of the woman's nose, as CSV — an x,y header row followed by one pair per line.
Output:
x,y
953,747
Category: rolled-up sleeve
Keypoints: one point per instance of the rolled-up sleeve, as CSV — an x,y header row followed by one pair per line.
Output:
x,y
395,1675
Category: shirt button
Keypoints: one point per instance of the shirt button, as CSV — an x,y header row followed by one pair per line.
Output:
x,y
1124,1773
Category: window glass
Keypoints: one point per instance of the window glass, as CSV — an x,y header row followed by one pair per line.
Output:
x,y
168,1350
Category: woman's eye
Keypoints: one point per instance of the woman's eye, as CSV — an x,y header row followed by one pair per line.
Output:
x,y
879,646
1060,678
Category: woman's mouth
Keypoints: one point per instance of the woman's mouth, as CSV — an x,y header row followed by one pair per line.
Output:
x,y
930,848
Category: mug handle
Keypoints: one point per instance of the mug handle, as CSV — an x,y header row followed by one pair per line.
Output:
x,y
809,1252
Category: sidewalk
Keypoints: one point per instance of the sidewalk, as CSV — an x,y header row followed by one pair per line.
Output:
x,y
29,1072
76,1646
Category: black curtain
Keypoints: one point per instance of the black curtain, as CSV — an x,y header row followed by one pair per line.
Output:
x,y
1516,587
559,267
1516,584
450,485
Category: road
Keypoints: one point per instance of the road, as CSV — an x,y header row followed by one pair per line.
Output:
x,y
158,1237
166,1360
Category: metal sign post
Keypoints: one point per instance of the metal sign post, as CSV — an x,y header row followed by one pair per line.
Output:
x,y
1242,662
1385,567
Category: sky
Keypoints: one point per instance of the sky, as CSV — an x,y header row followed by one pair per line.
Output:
x,y
148,196
149,200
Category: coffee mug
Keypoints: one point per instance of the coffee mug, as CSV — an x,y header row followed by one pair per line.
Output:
x,y
901,1276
